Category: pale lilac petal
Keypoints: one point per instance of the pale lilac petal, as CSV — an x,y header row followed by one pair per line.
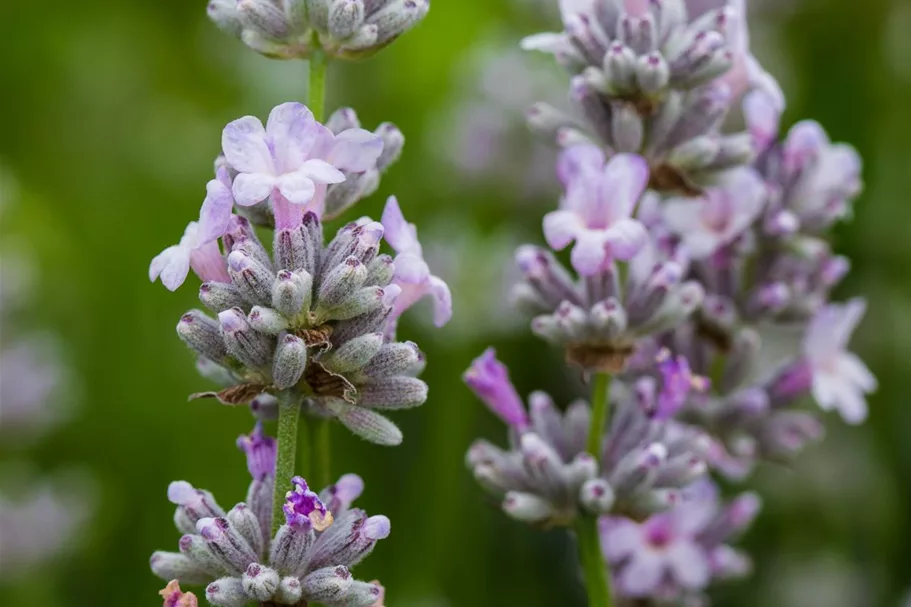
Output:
x,y
252,188
761,80
176,268
626,238
642,575
546,42
355,150
622,538
401,235
296,187
244,144
852,405
561,228
411,269
701,243
589,255
682,215
689,564
321,171
294,134
849,316
160,261
623,182
804,142
636,8
762,117
853,369
568,8
826,388
442,301
748,194
579,160
216,210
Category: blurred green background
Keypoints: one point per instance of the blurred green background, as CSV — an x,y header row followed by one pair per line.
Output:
x,y
111,117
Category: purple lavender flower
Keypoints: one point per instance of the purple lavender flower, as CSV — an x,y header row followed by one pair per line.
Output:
x,y
679,551
174,263
489,379
292,159
260,451
706,224
304,509
597,207
412,274
677,381
840,378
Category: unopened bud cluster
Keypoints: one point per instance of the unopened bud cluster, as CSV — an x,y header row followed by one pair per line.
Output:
x,y
307,560
295,29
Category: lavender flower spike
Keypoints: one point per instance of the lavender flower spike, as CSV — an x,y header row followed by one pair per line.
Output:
x,y
489,379
596,210
412,274
173,264
840,378
292,159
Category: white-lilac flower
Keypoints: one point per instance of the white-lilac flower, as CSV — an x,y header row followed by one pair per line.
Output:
x,y
840,378
706,224
596,210
678,552
292,159
215,213
489,379
412,274
174,263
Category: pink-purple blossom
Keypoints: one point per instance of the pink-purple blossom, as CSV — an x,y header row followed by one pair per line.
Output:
x,y
596,210
293,158
412,274
840,378
706,224
174,263
489,379
303,507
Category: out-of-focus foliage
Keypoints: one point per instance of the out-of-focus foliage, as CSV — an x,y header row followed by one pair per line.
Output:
x,y
112,114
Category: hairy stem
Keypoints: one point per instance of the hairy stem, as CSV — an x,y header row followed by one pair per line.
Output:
x,y
317,92
322,450
288,417
597,579
600,407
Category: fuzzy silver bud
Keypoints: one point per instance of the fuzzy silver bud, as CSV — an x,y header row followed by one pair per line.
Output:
x,y
290,361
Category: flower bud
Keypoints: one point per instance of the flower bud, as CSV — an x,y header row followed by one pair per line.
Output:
x,y
394,359
620,68
526,507
652,73
290,361
263,16
292,293
345,18
220,296
393,393
597,496
364,301
367,424
203,335
353,354
289,591
176,566
192,505
327,585
318,14
267,320
194,547
260,582
228,546
342,119
341,283
244,343
227,592
252,279
291,547
393,142
397,17
627,129
246,523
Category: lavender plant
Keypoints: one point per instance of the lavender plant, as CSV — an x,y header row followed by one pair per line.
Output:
x,y
695,303
307,332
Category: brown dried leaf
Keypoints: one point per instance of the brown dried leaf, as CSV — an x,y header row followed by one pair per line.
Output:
x,y
240,394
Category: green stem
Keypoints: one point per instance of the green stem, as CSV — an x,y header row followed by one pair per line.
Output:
x,y
305,450
317,92
288,416
322,445
597,580
600,407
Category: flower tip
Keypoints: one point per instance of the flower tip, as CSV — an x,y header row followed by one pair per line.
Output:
x,y
181,493
377,527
